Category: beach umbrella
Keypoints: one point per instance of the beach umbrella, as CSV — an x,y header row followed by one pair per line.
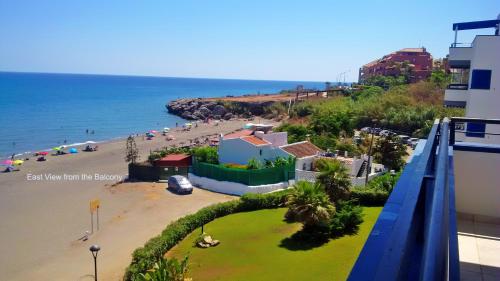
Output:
x,y
18,162
7,162
150,135
73,150
189,124
42,153
153,131
57,148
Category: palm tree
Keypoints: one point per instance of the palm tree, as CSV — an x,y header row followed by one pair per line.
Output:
x,y
309,204
334,178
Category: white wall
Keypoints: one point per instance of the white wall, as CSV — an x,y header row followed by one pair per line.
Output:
x,y
485,55
276,139
477,183
238,151
233,187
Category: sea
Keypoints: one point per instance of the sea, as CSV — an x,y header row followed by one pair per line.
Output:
x,y
39,111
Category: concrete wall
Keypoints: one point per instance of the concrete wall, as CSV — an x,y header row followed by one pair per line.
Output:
x,y
477,183
232,187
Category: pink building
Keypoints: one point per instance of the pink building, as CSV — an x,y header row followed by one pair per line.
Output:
x,y
417,60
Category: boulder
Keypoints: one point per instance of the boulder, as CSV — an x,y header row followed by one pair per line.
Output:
x,y
228,116
205,111
219,110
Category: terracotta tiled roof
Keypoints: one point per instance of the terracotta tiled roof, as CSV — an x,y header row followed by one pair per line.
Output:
x,y
301,149
238,134
254,140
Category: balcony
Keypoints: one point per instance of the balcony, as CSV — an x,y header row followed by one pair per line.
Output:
x,y
456,96
418,236
460,57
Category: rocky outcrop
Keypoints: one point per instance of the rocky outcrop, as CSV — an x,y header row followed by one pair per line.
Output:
x,y
200,109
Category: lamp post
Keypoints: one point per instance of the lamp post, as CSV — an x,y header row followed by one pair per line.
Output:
x,y
94,249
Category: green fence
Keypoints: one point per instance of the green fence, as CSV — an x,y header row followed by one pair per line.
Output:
x,y
247,177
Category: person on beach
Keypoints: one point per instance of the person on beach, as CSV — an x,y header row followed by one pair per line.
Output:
x,y
12,157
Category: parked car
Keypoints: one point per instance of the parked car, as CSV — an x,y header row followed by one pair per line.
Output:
x,y
404,138
180,184
384,133
366,130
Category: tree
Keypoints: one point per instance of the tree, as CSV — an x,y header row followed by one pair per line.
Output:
x,y
167,270
389,151
206,154
440,78
131,151
334,177
309,204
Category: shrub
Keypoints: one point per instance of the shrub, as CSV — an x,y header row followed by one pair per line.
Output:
x,y
303,109
144,258
254,164
167,270
347,218
206,154
369,197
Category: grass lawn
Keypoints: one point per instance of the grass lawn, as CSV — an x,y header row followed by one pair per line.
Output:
x,y
252,248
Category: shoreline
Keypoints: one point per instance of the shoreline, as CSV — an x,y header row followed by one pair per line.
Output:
x,y
55,211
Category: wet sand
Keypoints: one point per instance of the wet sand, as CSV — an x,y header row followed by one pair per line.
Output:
x,y
42,219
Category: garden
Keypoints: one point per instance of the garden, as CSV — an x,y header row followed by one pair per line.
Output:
x,y
258,246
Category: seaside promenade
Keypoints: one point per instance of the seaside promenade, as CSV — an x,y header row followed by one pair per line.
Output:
x,y
42,219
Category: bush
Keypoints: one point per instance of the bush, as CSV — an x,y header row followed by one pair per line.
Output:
x,y
254,164
369,197
206,154
347,219
144,258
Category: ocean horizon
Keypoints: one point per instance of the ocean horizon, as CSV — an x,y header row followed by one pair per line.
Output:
x,y
43,110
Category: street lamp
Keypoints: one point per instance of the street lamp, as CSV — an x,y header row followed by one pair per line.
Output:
x,y
94,249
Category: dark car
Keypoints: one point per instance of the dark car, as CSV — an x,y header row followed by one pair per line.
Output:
x,y
180,184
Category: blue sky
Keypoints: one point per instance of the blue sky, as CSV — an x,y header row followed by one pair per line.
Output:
x,y
272,40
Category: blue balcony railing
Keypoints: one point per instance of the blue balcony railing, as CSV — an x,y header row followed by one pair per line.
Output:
x,y
415,236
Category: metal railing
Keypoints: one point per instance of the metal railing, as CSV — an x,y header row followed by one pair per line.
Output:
x,y
458,86
460,125
415,236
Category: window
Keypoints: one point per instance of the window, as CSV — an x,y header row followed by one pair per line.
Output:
x,y
481,79
475,130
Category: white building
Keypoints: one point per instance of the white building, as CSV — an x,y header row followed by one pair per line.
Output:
x,y
241,146
475,84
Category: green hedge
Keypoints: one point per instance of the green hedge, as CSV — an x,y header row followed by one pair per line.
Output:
x,y
369,197
145,257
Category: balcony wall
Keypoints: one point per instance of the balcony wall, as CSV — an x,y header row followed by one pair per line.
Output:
x,y
453,97
477,182
460,57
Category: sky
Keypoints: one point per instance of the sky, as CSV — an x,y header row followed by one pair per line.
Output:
x,y
254,39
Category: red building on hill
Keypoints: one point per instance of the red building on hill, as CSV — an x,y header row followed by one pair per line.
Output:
x,y
415,61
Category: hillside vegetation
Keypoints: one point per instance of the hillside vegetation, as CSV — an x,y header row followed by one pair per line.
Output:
x,y
404,108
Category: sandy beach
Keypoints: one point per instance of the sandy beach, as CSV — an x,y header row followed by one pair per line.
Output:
x,y
43,216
